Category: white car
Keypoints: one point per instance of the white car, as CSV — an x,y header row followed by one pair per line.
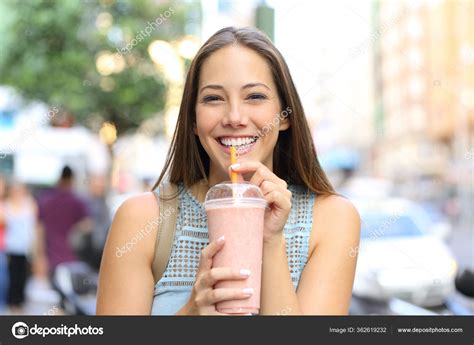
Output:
x,y
432,224
398,258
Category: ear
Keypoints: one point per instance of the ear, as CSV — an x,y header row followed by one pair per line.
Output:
x,y
195,128
284,124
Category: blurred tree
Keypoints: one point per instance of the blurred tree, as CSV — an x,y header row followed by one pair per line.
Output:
x,y
90,57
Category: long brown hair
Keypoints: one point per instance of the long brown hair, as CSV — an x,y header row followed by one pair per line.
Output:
x,y
294,156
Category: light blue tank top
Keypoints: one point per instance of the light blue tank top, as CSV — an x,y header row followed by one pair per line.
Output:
x,y
174,289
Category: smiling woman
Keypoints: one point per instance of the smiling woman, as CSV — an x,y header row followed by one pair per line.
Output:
x,y
238,92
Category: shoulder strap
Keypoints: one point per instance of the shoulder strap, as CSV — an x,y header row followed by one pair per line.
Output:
x,y
166,228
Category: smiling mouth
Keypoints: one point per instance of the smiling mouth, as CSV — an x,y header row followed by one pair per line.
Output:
x,y
236,142
242,145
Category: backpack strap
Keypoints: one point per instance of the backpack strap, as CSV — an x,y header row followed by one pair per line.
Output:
x,y
166,228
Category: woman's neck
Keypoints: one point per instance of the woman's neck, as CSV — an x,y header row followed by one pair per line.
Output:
x,y
199,190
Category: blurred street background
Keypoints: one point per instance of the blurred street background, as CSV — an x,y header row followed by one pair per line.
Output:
x,y
89,96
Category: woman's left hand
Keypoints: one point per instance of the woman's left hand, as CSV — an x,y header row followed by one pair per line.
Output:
x,y
276,193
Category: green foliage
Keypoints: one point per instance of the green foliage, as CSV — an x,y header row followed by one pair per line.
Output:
x,y
49,50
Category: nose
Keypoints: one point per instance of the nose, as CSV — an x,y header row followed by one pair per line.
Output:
x,y
234,116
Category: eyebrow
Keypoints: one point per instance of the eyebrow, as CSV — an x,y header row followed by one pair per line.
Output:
x,y
246,86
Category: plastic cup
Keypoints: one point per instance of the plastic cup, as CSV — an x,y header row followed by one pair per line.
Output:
x,y
236,210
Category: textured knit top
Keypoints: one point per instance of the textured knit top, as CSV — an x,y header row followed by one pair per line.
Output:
x,y
174,288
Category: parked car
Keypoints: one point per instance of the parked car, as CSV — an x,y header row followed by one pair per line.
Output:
x,y
425,216
399,257
441,226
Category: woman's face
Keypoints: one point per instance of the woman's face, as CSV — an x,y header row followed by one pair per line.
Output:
x,y
237,104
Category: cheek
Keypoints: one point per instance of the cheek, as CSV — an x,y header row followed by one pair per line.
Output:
x,y
205,124
200,129
207,118
202,122
268,123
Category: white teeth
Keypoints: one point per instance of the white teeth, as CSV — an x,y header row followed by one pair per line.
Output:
x,y
237,142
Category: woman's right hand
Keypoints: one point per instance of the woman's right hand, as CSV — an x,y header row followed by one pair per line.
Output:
x,y
204,296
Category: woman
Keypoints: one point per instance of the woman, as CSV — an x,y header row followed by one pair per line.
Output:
x,y
237,85
20,219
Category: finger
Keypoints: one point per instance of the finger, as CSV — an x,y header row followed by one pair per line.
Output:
x,y
278,200
218,295
261,174
240,177
268,186
208,253
224,273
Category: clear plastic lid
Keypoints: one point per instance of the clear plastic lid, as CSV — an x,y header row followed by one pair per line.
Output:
x,y
242,194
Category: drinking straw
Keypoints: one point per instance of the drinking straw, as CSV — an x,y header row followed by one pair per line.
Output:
x,y
233,159
233,175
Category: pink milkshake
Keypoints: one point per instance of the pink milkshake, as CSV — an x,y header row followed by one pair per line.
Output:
x,y
236,210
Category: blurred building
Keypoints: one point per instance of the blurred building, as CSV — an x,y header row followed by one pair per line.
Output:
x,y
424,82
36,141
218,14
327,46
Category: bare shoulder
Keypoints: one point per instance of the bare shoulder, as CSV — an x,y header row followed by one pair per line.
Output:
x,y
139,206
135,218
334,205
334,217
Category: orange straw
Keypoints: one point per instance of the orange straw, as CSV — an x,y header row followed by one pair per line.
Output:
x,y
233,175
233,159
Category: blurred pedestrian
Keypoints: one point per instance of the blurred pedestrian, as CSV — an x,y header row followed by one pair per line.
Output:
x,y
61,212
89,246
20,214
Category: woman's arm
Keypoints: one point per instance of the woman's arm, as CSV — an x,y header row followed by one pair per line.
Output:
x,y
278,294
325,285
326,282
126,280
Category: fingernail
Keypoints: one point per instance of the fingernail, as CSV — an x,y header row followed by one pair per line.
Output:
x,y
221,239
235,166
248,291
245,272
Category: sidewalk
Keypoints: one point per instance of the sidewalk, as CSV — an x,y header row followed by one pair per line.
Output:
x,y
40,300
